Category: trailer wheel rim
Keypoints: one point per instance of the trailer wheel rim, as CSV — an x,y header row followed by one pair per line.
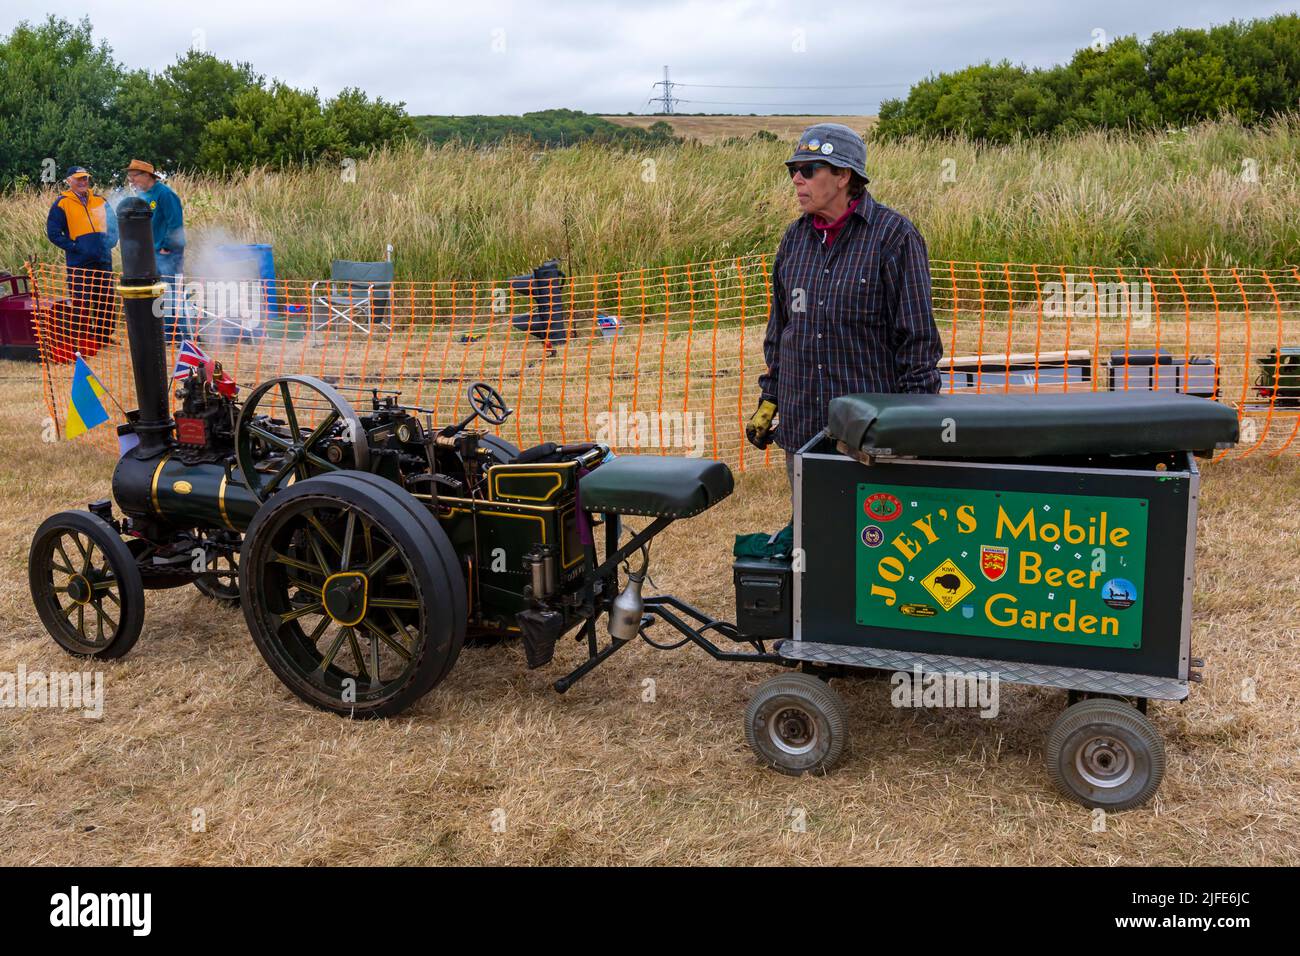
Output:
x,y
1105,761
792,730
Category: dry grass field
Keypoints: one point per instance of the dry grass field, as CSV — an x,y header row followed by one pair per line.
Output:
x,y
194,720
713,129
1160,198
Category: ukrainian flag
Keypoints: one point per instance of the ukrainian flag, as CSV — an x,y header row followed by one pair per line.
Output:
x,y
85,411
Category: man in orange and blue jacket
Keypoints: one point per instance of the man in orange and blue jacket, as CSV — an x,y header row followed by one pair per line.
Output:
x,y
84,226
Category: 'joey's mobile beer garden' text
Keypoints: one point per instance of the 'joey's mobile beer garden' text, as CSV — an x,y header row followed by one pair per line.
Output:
x,y
1058,568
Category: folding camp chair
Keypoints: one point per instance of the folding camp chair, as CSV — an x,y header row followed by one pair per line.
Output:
x,y
228,307
357,293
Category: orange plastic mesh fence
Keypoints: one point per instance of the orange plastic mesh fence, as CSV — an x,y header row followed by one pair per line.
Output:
x,y
666,360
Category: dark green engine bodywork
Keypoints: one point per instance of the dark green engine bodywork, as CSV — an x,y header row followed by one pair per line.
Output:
x,y
521,506
525,505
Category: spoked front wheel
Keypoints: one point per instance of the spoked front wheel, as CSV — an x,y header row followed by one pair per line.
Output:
x,y
86,585
348,602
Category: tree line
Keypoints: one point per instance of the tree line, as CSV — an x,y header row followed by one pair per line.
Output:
x,y
1249,70
65,100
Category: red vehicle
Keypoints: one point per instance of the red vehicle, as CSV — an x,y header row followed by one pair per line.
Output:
x,y
17,304
70,326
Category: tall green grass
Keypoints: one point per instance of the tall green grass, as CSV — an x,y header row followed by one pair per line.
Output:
x,y
1215,195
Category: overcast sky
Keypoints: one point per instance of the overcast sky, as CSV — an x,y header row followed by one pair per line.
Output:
x,y
479,56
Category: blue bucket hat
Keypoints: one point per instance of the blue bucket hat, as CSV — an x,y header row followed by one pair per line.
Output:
x,y
832,143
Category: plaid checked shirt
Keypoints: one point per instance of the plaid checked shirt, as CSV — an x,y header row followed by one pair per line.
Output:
x,y
854,317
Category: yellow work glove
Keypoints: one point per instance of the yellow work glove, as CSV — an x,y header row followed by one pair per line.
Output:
x,y
759,427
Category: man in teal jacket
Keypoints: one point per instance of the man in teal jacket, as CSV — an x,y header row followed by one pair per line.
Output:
x,y
168,240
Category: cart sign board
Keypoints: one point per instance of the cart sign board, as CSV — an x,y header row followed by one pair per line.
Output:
x,y
1066,569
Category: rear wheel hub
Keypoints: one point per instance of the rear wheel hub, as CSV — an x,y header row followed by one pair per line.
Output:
x,y
1105,762
345,596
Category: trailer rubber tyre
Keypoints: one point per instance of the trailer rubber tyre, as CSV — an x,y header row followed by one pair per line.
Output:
x,y
1104,753
86,585
797,724
345,598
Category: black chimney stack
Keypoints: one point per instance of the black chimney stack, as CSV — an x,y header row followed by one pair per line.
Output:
x,y
143,297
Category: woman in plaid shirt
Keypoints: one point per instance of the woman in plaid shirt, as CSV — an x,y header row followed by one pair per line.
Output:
x,y
850,297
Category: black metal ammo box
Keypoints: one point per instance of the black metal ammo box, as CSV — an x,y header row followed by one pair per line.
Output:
x,y
764,596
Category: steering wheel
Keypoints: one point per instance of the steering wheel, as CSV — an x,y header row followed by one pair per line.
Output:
x,y
488,403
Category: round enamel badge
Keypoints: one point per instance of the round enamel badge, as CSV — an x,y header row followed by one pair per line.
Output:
x,y
827,149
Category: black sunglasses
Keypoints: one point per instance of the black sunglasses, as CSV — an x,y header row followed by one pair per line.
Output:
x,y
807,170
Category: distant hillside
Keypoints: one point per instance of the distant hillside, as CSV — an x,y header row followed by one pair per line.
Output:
x,y
712,129
563,127
544,127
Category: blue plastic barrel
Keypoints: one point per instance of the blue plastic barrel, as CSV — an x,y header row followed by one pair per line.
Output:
x,y
260,251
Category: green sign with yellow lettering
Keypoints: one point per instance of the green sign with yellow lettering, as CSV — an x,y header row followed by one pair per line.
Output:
x,y
1061,568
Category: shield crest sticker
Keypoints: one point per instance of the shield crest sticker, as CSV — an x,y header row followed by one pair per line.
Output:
x,y
993,561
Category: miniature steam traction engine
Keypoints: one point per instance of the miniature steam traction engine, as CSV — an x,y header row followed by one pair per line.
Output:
x,y
1045,540
363,546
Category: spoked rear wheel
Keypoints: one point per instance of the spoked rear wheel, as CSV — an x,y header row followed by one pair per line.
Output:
x,y
86,585
440,546
346,600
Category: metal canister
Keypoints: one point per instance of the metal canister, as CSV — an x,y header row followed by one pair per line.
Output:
x,y
550,565
535,565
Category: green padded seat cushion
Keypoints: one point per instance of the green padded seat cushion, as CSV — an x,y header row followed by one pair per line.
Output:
x,y
655,486
1030,426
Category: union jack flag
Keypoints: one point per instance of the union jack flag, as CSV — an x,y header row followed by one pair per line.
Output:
x,y
190,356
